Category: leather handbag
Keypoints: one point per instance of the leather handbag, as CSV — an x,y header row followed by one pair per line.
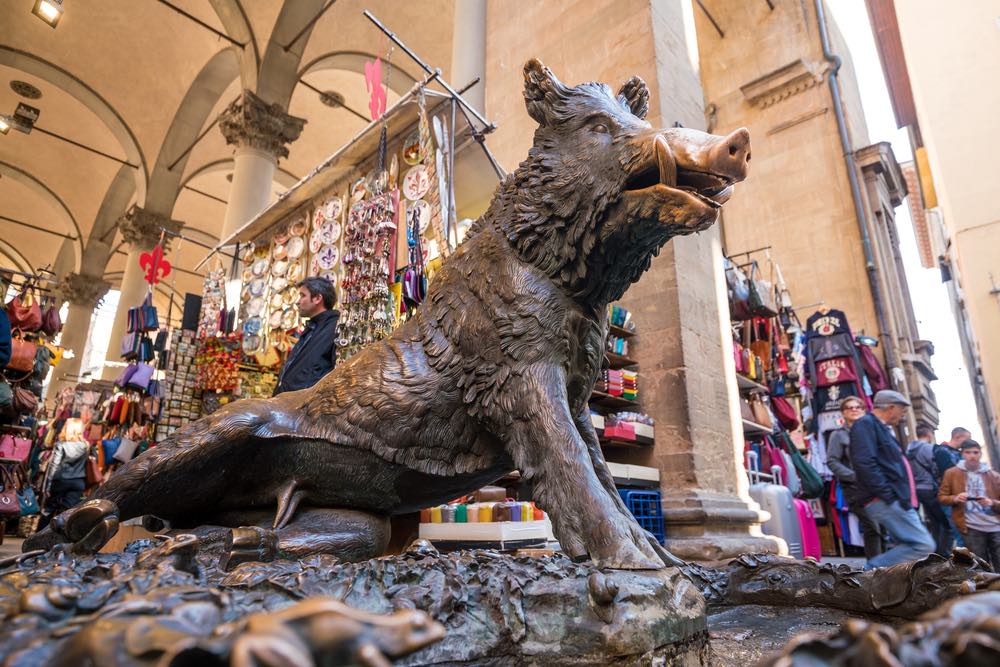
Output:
x,y
24,312
810,480
739,292
761,414
9,506
92,472
12,447
785,413
762,300
51,322
25,402
22,355
746,412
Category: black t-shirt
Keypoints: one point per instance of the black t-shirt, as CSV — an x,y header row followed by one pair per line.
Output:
x,y
829,398
828,323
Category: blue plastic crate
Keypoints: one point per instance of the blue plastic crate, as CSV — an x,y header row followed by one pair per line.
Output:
x,y
646,507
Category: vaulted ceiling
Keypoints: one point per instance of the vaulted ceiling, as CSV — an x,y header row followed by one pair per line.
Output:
x,y
138,81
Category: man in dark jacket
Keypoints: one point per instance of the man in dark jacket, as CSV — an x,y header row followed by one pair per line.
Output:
x,y
885,480
315,354
927,478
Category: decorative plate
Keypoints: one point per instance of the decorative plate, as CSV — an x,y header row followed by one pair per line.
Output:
x,y
298,228
246,253
291,296
247,275
280,251
411,148
245,295
252,326
416,183
275,319
328,257
295,271
262,251
255,307
333,208
259,267
281,236
314,267
330,275
251,344
256,287
279,268
289,319
296,245
316,240
277,301
278,284
421,211
359,190
330,232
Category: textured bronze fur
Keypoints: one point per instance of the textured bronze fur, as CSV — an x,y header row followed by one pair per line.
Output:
x,y
495,369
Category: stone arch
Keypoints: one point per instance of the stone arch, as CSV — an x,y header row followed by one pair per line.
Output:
x,y
202,95
237,25
116,201
9,251
354,61
36,185
65,81
281,175
278,70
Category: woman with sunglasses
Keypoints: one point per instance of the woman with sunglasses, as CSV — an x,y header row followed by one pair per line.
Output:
x,y
838,458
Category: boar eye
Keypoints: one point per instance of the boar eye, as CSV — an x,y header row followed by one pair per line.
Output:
x,y
600,127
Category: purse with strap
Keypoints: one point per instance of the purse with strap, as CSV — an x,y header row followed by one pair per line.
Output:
x,y
10,507
25,402
22,355
24,311
12,447
51,322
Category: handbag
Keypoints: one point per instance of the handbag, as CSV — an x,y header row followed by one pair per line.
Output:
x,y
812,483
109,448
126,375
27,499
738,291
762,301
9,506
93,474
746,412
22,355
785,413
761,345
51,322
12,447
126,450
25,402
761,414
6,398
24,311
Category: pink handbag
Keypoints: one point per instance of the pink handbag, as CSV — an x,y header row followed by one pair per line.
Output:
x,y
12,447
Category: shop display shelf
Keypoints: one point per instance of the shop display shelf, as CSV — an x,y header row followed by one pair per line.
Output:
x,y
745,384
614,442
618,361
753,428
616,330
610,402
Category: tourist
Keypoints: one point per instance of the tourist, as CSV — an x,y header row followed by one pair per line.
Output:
x,y
838,458
315,354
946,455
972,490
927,478
885,480
66,474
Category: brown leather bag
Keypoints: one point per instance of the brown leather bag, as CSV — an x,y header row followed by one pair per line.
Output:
x,y
22,355
93,473
25,402
24,312
761,414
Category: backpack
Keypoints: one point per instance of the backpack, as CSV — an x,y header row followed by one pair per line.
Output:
x,y
913,455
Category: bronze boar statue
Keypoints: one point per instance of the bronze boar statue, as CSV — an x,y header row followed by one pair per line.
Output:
x,y
492,373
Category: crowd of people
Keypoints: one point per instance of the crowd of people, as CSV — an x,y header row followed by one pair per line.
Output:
x,y
926,497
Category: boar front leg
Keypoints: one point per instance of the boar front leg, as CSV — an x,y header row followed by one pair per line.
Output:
x,y
548,449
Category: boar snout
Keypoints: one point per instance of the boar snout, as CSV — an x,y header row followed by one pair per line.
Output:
x,y
730,155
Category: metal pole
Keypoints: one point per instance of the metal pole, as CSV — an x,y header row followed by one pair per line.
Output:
x,y
193,144
202,23
452,216
40,229
308,25
86,147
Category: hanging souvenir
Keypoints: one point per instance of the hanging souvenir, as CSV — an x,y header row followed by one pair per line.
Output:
x,y
416,182
297,228
359,190
329,275
279,267
281,236
289,318
330,232
280,251
296,246
420,213
274,321
333,208
252,326
259,267
251,344
393,171
278,284
327,257
314,267
411,148
277,300
257,287
295,271
246,253
316,240
255,307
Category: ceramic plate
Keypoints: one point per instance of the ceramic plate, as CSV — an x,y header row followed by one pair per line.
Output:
x,y
420,210
246,253
330,232
411,148
298,228
329,275
259,267
262,251
416,183
332,208
289,319
281,236
252,327
278,284
359,190
295,271
328,257
393,171
275,319
251,344
245,295
257,286
296,246
277,300
314,267
255,307
247,275
280,251
316,240
279,267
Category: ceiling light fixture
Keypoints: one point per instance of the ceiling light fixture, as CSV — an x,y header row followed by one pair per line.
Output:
x,y
49,11
4,124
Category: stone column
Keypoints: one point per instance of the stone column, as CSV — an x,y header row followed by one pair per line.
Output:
x,y
141,230
260,132
83,292
468,51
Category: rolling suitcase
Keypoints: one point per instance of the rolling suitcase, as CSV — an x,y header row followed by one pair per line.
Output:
x,y
777,501
807,528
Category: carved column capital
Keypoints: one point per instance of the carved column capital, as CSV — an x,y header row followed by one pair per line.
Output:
x,y
141,228
81,289
250,121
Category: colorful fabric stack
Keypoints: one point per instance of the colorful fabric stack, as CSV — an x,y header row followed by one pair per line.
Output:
x,y
618,345
630,385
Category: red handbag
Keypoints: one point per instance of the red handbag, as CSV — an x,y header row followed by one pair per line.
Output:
x,y
24,312
12,447
785,413
51,322
25,402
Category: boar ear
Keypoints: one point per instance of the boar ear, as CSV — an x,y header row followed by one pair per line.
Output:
x,y
541,90
635,95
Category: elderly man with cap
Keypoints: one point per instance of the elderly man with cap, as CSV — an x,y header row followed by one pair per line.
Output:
x,y
885,480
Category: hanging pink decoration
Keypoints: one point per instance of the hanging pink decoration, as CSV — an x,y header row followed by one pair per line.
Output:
x,y
373,83
155,265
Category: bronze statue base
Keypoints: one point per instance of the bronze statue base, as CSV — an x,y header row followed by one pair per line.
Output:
x,y
168,603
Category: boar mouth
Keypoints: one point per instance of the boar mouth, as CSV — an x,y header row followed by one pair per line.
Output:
x,y
708,188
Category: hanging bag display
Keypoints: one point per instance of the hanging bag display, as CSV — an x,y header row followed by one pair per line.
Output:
x,y
10,507
810,480
25,402
24,311
51,322
762,301
739,292
27,499
13,447
760,330
22,354
785,412
761,414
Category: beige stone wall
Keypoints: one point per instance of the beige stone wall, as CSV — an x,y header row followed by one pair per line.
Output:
x,y
798,198
951,57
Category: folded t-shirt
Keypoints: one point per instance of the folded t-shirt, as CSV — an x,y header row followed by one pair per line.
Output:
x,y
835,370
828,398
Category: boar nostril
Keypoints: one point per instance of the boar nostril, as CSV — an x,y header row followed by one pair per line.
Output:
x,y
733,148
748,157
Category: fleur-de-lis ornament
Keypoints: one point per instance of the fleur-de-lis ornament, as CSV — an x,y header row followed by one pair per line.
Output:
x,y
155,265
373,83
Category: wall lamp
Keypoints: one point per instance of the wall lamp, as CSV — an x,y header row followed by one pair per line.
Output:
x,y
49,11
